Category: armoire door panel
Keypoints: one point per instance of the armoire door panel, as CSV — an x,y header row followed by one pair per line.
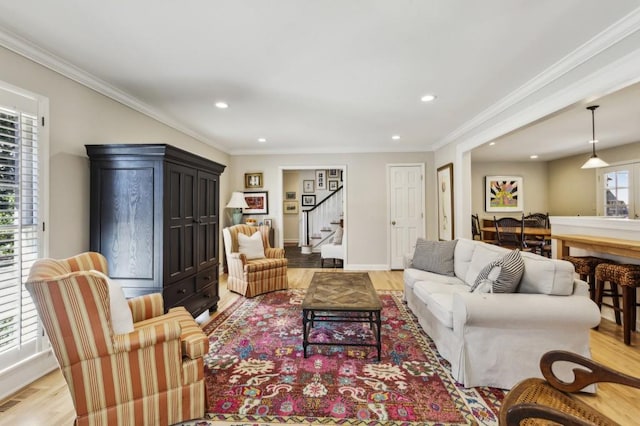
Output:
x,y
126,235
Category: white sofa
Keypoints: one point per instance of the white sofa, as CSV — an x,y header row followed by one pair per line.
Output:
x,y
497,339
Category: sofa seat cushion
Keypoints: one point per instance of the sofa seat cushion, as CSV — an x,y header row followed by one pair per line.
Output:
x,y
546,276
439,304
412,275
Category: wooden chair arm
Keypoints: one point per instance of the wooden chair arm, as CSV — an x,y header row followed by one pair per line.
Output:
x,y
582,377
520,412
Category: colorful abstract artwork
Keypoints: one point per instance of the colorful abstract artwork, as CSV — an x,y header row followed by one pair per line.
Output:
x,y
503,194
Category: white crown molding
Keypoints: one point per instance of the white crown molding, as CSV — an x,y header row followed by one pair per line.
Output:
x,y
616,32
331,150
36,54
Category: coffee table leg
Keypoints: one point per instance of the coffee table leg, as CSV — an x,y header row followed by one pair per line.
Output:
x,y
379,334
305,331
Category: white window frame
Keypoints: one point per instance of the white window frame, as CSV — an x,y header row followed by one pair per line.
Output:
x,y
31,361
634,188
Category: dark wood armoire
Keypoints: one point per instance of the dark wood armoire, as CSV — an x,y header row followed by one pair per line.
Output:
x,y
155,217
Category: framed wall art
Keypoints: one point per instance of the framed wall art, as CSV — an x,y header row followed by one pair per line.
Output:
x,y
503,194
289,195
334,173
333,185
445,202
258,202
253,180
308,186
321,180
290,207
308,200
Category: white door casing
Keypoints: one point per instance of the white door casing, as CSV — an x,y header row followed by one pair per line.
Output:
x,y
406,188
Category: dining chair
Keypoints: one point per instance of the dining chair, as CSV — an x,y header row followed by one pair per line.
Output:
x,y
510,232
475,227
538,244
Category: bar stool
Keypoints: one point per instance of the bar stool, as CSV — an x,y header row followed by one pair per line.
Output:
x,y
628,278
585,266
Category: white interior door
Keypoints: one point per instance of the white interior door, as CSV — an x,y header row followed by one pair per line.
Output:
x,y
406,210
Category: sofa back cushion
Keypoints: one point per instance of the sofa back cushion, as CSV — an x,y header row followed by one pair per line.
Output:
x,y
546,276
483,254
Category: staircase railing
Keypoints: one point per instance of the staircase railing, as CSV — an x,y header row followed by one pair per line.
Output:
x,y
317,220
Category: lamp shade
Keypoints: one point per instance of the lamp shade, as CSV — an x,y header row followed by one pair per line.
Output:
x,y
237,201
594,162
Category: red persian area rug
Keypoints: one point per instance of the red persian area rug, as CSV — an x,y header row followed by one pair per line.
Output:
x,y
256,371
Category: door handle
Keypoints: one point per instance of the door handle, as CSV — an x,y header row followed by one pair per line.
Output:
x,y
393,222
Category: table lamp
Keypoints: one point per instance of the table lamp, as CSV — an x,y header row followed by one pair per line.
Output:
x,y
237,203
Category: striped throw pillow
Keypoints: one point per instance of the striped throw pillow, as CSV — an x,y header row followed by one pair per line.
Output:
x,y
503,274
488,274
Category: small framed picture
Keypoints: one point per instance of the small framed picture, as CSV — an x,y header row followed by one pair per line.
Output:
x,y
253,180
333,185
308,200
290,207
290,195
308,186
268,222
257,202
334,173
321,180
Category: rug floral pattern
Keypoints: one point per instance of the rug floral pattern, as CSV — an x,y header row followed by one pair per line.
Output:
x,y
256,371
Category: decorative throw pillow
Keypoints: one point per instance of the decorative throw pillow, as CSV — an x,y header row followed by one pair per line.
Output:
x,y
121,317
488,274
251,246
504,274
510,273
337,236
434,256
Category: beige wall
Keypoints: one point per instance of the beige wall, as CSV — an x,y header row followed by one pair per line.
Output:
x,y
534,180
572,190
366,191
292,181
80,116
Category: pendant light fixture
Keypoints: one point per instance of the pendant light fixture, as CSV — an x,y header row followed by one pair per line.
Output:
x,y
594,161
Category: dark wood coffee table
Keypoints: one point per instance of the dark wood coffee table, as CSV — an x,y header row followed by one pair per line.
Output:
x,y
341,297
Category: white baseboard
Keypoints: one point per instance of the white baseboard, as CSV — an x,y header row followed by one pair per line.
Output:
x,y
354,267
20,375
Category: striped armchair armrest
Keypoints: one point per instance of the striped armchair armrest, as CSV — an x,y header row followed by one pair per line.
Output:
x,y
146,307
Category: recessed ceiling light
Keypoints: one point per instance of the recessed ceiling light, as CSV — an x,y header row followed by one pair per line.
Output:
x,y
222,105
533,157
492,143
395,137
428,98
262,140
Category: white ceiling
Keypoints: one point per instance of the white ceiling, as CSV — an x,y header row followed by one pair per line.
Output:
x,y
322,76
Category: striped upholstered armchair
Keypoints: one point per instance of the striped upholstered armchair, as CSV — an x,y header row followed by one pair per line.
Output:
x,y
153,375
253,275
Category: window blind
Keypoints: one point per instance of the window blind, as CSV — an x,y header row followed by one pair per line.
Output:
x,y
19,245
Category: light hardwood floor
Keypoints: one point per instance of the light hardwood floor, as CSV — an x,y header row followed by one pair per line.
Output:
x,y
47,401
